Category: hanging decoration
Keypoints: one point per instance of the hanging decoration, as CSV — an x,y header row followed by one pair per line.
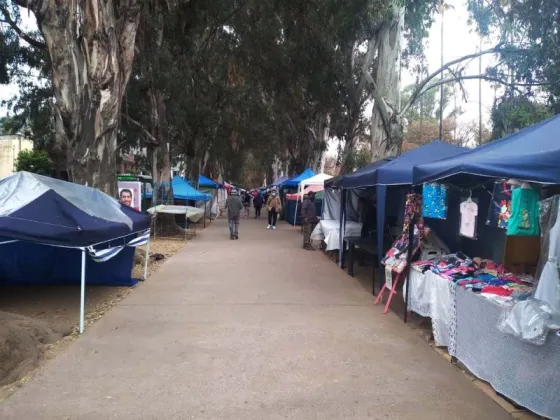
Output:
x,y
434,201
500,206
397,255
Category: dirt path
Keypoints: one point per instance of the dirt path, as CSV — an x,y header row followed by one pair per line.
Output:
x,y
249,329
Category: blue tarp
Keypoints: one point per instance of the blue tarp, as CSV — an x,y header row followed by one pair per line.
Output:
x,y
294,182
204,182
532,154
183,190
279,181
365,176
399,170
30,263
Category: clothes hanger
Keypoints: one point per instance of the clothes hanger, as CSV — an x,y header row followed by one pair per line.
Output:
x,y
469,200
526,186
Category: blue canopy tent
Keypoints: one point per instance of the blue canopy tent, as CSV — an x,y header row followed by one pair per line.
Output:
x,y
294,182
183,190
344,182
397,172
45,224
531,155
204,182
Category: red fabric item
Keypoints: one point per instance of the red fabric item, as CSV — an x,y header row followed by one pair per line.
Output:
x,y
497,290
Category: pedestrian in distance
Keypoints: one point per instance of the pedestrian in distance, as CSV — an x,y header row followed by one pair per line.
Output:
x,y
309,219
274,206
258,203
247,203
234,206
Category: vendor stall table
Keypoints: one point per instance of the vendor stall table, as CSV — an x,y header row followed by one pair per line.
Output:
x,y
433,296
467,324
329,232
525,373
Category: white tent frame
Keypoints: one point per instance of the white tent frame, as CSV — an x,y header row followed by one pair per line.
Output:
x,y
84,251
318,179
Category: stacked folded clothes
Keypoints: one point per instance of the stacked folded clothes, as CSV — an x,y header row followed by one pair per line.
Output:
x,y
479,275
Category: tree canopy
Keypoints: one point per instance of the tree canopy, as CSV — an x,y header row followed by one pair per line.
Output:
x,y
244,89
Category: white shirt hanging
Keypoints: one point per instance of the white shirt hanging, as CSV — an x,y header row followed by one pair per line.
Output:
x,y
469,212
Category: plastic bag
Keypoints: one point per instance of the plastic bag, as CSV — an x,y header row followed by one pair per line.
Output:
x,y
527,320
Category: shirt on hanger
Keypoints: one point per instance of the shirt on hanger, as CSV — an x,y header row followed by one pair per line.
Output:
x,y
469,211
524,220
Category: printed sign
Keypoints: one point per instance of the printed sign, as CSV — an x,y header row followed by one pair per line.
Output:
x,y
130,194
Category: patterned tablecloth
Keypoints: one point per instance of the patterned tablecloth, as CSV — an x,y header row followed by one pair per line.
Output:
x,y
467,324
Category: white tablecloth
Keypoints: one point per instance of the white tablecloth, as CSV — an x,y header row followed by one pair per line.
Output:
x,y
434,297
329,232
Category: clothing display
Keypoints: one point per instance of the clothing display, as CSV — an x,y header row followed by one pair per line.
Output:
x,y
469,212
524,220
500,206
397,255
434,201
472,274
548,287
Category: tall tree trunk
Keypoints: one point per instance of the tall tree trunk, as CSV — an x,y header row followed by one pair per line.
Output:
x,y
386,122
350,142
91,48
161,162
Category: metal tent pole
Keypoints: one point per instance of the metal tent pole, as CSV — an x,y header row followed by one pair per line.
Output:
x,y
83,292
147,258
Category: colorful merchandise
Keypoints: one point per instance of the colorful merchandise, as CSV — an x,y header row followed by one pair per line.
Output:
x,y
397,255
469,212
500,206
434,201
524,220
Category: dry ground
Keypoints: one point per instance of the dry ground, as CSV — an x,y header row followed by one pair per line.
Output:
x,y
37,322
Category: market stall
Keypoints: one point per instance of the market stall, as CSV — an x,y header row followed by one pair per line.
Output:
x,y
389,182
494,299
291,186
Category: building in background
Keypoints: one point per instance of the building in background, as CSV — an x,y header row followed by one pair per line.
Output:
x,y
10,146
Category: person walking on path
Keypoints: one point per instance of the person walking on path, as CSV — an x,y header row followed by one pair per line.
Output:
x,y
274,206
258,203
234,206
309,219
247,203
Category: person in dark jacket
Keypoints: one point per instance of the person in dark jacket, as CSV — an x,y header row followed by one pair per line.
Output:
x,y
234,206
309,219
258,203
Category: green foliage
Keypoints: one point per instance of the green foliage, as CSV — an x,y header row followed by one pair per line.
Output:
x,y
427,106
23,63
36,161
529,31
516,112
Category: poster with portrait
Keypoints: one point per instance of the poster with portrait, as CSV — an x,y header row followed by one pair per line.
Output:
x,y
130,194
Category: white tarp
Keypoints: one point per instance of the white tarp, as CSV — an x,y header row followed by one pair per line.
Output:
x,y
20,189
193,214
329,232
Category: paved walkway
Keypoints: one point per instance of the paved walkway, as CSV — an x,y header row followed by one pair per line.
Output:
x,y
249,329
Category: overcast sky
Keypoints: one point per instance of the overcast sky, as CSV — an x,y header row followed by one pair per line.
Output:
x,y
459,40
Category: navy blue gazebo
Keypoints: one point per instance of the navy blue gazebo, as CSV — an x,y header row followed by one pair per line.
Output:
x,y
532,154
46,224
